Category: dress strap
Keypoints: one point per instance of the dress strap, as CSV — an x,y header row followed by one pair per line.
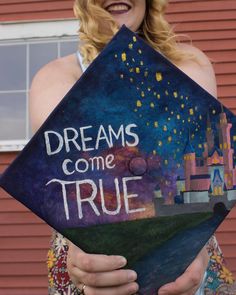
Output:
x,y
80,61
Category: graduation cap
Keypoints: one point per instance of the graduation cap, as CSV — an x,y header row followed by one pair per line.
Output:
x,y
124,163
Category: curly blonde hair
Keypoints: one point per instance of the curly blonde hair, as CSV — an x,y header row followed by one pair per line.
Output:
x,y
97,27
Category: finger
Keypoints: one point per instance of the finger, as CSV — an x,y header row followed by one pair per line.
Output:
x,y
104,279
201,261
185,284
95,262
98,263
128,289
191,278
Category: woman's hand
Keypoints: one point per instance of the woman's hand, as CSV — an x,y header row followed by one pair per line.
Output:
x,y
101,274
191,280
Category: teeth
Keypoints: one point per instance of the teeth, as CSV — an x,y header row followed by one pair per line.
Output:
x,y
118,7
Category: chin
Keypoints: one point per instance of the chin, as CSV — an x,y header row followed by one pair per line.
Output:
x,y
133,27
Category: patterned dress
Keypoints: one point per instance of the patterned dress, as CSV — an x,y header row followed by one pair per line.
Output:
x,y
219,280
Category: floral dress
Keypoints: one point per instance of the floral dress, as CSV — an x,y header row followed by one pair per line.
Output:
x,y
219,280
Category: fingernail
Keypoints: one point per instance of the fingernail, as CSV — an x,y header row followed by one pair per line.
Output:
x,y
122,261
134,288
132,276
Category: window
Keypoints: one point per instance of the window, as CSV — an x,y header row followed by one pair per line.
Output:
x,y
20,59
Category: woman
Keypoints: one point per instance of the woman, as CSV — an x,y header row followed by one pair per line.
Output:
x,y
99,21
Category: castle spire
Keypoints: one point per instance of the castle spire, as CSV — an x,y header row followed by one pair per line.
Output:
x,y
222,108
209,134
225,140
208,122
188,147
189,163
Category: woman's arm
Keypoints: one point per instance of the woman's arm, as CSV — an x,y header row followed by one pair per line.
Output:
x,y
201,70
49,86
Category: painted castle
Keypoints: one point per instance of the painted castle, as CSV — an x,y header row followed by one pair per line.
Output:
x,y
209,179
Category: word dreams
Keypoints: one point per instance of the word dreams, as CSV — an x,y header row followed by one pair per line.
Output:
x,y
82,140
98,206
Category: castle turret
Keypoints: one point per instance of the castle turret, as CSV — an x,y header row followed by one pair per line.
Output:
x,y
209,134
225,142
189,163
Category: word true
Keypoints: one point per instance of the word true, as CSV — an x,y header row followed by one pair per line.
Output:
x,y
97,191
82,140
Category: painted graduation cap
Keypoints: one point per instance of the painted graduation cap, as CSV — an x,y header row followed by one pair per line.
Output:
x,y
137,160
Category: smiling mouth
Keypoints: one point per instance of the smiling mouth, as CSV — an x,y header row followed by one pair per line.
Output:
x,y
118,8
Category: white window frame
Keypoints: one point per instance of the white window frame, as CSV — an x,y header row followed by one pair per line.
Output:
x,y
30,32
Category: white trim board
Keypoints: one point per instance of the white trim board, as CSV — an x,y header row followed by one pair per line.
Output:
x,y
12,145
25,30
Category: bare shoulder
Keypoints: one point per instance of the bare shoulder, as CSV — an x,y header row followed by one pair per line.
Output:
x,y
50,85
200,70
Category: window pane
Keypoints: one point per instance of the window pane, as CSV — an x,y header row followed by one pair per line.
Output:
x,y
12,116
69,47
41,54
13,80
13,67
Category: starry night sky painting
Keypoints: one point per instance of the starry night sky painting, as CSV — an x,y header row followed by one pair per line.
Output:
x,y
137,160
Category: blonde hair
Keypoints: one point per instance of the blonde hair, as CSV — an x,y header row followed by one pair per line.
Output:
x,y
97,27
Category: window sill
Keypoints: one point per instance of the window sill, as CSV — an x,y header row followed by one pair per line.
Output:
x,y
12,145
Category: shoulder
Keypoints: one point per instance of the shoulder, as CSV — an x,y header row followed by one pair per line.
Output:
x,y
199,69
50,85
